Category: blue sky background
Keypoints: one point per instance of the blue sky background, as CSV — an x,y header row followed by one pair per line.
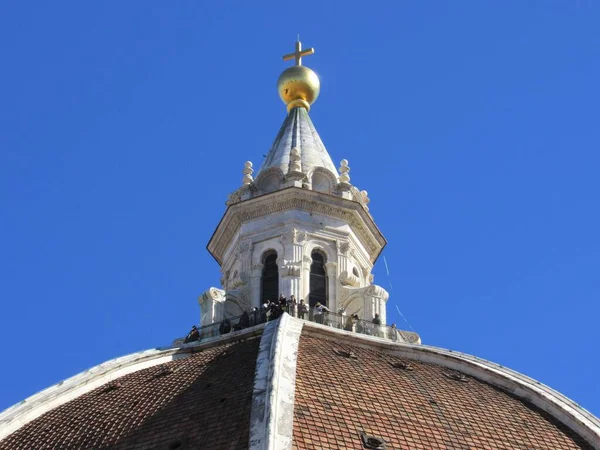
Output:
x,y
472,124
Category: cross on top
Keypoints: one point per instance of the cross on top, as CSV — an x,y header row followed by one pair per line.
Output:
x,y
299,53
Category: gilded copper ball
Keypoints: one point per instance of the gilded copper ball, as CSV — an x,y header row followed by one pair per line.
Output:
x,y
298,83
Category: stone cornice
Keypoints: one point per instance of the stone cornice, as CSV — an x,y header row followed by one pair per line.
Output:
x,y
300,199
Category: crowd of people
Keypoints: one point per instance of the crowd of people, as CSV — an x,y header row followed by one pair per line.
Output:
x,y
273,309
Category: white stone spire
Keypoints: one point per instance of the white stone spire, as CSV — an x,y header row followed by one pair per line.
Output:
x,y
298,132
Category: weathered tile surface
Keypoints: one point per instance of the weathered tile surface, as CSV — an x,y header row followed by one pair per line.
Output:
x,y
337,397
202,401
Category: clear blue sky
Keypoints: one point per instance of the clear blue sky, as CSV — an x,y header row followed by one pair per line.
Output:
x,y
473,125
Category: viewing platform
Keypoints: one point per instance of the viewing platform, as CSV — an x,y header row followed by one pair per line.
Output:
x,y
329,319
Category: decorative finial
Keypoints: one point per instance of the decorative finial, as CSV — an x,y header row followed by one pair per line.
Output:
x,y
298,86
295,160
365,199
248,170
344,170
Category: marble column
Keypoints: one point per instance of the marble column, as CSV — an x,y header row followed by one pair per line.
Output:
x,y
342,255
332,276
255,279
296,271
306,262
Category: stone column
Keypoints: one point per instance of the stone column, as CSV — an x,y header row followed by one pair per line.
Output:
x,y
291,269
383,311
255,285
342,248
282,280
332,277
295,278
306,262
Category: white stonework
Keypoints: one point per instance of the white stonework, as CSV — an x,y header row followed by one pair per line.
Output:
x,y
297,203
272,414
364,301
211,306
293,223
248,170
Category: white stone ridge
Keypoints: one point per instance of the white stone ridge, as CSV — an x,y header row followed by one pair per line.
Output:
x,y
58,394
272,414
563,409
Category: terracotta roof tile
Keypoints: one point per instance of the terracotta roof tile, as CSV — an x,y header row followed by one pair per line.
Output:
x,y
202,401
427,407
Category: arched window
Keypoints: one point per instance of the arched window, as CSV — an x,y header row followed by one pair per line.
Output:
x,y
270,278
318,280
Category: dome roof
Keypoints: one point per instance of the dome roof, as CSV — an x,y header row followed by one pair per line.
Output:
x,y
179,404
410,404
299,385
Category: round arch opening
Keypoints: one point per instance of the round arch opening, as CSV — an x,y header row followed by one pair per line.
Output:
x,y
269,282
318,279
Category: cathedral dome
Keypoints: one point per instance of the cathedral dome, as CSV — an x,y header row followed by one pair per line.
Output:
x,y
335,376
292,384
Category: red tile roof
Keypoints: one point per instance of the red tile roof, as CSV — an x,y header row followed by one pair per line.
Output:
x,y
202,401
342,390
339,395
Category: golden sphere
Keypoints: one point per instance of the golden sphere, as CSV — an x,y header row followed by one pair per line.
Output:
x,y
298,86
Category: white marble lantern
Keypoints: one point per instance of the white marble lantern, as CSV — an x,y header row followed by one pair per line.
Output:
x,y
298,228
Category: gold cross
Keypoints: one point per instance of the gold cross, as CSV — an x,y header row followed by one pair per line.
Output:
x,y
299,53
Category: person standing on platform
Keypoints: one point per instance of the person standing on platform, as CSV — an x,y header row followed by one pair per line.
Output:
x,y
292,306
283,303
302,309
377,323
319,312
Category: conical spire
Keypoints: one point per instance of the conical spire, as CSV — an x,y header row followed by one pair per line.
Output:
x,y
298,157
298,132
298,87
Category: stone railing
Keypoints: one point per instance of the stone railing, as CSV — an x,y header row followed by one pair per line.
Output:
x,y
345,322
331,319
